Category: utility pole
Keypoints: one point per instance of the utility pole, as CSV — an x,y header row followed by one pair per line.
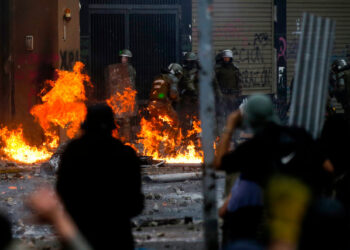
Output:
x,y
207,116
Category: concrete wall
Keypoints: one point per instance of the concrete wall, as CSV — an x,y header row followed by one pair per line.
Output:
x,y
43,20
69,49
31,68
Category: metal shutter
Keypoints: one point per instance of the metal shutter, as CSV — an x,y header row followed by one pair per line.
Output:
x,y
247,29
338,10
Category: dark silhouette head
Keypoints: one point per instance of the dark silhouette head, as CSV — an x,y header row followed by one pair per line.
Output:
x,y
5,232
99,119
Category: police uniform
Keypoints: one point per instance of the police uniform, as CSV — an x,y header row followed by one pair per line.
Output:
x,y
228,80
121,77
164,93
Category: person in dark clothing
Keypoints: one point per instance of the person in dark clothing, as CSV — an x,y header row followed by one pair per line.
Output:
x,y
334,142
273,150
99,182
6,233
325,226
227,79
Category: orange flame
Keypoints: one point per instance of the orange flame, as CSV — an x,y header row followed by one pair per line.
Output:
x,y
163,141
123,102
64,104
16,148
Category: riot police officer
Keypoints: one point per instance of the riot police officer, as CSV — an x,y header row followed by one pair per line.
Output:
x,y
340,85
189,83
188,107
227,78
164,93
120,78
126,56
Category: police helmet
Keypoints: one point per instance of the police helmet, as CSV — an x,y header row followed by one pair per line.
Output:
x,y
340,65
191,56
227,53
126,53
175,69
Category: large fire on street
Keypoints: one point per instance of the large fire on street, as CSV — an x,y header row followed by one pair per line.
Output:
x,y
63,106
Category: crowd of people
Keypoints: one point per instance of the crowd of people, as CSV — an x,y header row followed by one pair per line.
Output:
x,y
291,191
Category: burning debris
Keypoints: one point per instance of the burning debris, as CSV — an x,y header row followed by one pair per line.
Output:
x,y
16,148
63,106
162,139
123,102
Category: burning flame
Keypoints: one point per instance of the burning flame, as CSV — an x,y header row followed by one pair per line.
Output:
x,y
164,141
123,102
16,148
63,105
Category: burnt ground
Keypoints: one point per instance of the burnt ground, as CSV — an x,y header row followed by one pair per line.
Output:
x,y
172,218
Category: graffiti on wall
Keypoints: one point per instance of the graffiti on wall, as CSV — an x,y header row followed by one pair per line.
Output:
x,y
252,54
68,58
256,78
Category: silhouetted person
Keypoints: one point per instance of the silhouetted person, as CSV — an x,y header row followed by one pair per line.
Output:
x,y
100,184
5,232
325,226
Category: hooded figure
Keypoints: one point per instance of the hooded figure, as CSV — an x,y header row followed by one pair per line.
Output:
x,y
94,172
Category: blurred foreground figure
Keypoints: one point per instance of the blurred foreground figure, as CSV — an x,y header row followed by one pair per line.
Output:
x,y
273,150
120,80
325,226
286,202
99,182
49,209
6,241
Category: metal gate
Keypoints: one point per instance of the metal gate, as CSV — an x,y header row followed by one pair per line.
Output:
x,y
151,32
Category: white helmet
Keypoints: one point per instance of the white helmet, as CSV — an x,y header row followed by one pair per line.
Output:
x,y
175,68
227,53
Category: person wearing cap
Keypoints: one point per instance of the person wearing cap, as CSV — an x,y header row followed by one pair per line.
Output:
x,y
227,79
273,149
95,171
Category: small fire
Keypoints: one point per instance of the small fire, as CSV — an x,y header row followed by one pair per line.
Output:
x,y
123,102
163,141
16,148
63,105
